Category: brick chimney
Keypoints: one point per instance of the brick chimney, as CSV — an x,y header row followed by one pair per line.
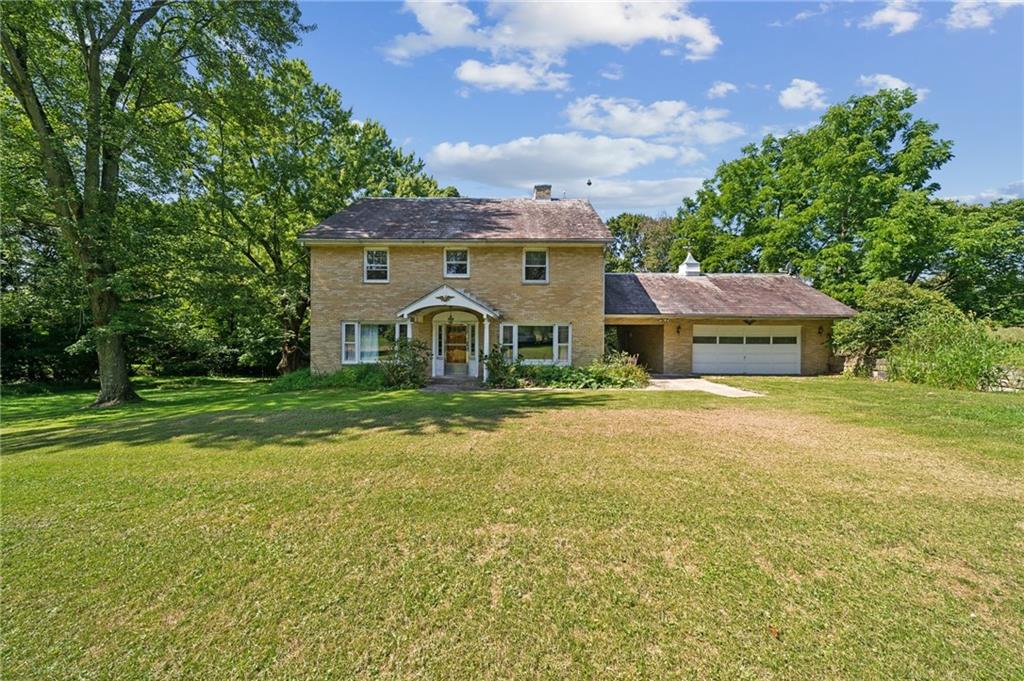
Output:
x,y
542,192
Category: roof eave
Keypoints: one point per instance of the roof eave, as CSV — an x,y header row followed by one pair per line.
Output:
x,y
342,241
733,315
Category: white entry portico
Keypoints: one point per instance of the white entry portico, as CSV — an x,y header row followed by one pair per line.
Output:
x,y
456,337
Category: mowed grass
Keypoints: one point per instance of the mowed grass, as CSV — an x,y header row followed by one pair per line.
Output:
x,y
833,528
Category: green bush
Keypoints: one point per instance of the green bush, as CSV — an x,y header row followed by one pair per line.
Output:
x,y
888,311
359,376
1011,343
948,351
406,366
614,370
502,372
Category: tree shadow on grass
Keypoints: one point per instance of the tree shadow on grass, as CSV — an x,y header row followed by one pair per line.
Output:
x,y
292,419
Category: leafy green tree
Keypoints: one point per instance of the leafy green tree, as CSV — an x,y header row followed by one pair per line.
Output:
x,y
641,243
110,91
982,267
818,203
41,307
889,309
279,154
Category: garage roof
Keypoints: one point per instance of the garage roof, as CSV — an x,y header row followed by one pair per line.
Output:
x,y
717,295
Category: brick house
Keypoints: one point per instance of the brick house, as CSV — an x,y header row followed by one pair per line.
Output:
x,y
464,275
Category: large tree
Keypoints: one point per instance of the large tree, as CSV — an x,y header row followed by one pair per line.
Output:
x,y
641,244
112,91
843,203
279,154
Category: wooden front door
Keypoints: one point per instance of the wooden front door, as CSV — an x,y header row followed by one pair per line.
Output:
x,y
456,349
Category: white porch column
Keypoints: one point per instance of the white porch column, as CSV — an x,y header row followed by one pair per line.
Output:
x,y
487,342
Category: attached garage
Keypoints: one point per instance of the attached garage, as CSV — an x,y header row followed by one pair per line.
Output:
x,y
744,349
723,323
645,341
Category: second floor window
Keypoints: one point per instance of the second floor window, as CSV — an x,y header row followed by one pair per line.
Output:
x,y
456,262
375,265
535,266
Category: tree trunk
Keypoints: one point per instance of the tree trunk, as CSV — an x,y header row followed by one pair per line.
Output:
x,y
291,349
291,356
115,388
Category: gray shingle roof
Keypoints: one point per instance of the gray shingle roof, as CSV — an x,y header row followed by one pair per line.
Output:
x,y
447,219
718,295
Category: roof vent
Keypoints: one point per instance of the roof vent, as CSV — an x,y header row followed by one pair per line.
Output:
x,y
690,267
542,192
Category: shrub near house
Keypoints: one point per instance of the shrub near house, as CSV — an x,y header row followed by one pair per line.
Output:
x,y
923,337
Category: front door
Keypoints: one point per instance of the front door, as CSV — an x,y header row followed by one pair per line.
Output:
x,y
456,350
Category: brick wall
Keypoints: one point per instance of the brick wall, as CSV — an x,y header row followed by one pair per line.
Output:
x,y
574,293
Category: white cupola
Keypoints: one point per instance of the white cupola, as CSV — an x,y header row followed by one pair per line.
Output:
x,y
690,267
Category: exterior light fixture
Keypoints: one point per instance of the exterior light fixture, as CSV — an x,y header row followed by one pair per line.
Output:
x,y
821,330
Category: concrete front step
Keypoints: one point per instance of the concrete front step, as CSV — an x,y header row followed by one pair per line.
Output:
x,y
452,384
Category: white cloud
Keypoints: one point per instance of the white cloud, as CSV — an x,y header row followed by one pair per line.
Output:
x,y
514,77
899,15
720,88
808,13
803,15
562,158
444,24
676,120
622,195
977,14
884,81
689,155
535,35
612,72
1014,190
803,94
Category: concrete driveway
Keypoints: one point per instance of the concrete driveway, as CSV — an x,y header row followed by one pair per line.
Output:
x,y
699,384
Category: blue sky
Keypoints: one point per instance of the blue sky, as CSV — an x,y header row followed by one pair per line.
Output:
x,y
646,99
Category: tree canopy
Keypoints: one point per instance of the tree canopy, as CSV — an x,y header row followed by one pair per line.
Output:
x,y
159,160
848,202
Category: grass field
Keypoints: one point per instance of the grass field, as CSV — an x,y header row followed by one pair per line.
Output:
x,y
833,528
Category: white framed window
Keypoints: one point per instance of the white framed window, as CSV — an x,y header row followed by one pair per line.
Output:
x,y
508,341
563,343
369,342
535,265
349,343
376,266
456,263
537,343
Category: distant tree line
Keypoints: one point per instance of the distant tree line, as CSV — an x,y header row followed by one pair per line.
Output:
x,y
848,202
158,161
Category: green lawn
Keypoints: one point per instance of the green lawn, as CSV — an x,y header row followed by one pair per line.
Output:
x,y
833,528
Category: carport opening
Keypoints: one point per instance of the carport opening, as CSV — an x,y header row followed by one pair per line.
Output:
x,y
646,341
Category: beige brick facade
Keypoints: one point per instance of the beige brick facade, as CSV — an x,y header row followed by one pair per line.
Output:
x,y
574,293
677,345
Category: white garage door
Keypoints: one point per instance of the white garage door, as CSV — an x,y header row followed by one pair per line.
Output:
x,y
743,349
